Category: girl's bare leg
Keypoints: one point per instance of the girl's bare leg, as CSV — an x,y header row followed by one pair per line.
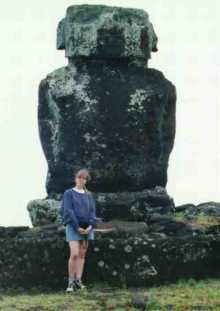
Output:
x,y
80,260
74,252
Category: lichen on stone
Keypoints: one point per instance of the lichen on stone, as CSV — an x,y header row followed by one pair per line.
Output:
x,y
128,248
127,266
111,246
135,104
101,263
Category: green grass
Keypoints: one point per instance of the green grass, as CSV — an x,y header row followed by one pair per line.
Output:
x,y
184,295
200,219
190,294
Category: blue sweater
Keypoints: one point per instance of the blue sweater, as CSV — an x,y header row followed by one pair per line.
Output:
x,y
77,207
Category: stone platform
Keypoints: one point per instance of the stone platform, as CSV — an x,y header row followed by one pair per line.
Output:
x,y
131,254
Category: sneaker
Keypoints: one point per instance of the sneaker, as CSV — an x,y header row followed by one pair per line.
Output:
x,y
79,284
71,287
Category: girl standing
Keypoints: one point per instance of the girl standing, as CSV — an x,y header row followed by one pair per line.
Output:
x,y
78,211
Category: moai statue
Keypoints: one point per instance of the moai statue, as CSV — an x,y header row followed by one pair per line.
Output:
x,y
106,110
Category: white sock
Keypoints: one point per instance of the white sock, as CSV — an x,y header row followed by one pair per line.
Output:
x,y
71,279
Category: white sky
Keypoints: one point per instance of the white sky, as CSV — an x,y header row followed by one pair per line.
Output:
x,y
189,56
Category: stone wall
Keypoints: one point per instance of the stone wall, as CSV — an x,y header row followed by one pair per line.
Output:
x,y
38,257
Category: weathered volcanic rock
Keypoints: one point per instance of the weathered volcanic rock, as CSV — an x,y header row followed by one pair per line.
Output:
x,y
107,110
206,209
39,257
101,31
125,205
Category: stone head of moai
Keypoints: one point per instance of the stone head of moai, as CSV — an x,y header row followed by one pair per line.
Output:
x,y
106,110
102,31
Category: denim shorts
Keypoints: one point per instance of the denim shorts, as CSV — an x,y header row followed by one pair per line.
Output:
x,y
72,235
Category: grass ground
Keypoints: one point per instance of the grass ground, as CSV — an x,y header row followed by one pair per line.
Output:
x,y
184,295
200,219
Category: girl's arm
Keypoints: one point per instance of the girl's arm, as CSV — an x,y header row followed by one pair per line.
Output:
x,y
69,214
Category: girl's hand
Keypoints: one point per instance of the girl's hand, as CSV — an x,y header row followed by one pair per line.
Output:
x,y
81,230
88,229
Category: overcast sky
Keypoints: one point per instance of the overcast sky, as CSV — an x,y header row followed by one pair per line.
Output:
x,y
189,56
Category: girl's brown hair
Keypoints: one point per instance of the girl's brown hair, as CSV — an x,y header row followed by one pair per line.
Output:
x,y
83,172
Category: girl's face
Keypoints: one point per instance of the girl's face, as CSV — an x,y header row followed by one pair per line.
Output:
x,y
80,180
